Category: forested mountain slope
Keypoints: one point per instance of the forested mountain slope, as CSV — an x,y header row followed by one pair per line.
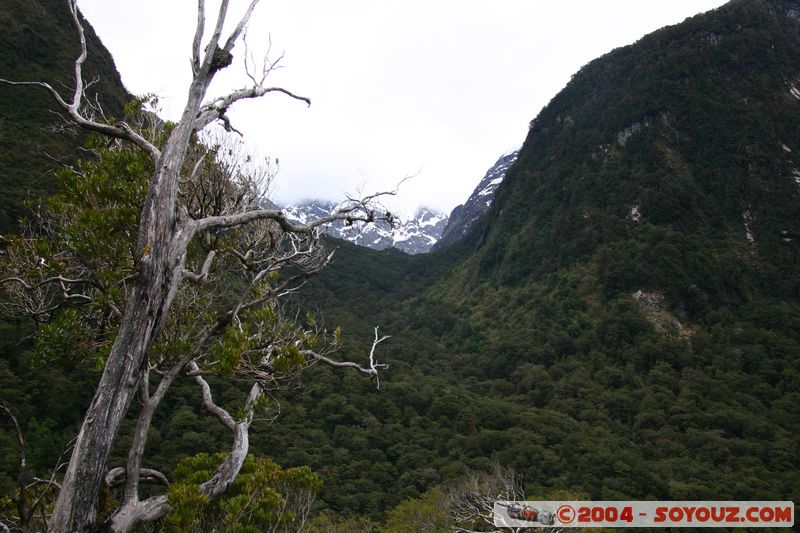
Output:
x,y
690,135
625,322
40,43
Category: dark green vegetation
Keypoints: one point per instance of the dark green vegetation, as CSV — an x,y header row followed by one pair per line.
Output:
x,y
529,342
40,43
253,504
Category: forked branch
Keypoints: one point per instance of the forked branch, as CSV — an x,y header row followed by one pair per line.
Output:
x,y
371,370
216,109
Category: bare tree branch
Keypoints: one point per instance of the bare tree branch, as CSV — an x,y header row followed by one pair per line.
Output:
x,y
267,66
51,280
214,41
371,370
198,36
216,109
20,438
39,481
203,275
473,498
226,473
208,401
38,299
133,470
141,512
234,36
117,476
349,213
26,482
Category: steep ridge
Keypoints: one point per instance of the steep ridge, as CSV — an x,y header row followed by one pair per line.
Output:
x,y
40,43
693,131
463,216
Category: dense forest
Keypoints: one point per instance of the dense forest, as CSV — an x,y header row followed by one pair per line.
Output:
x,y
623,324
39,43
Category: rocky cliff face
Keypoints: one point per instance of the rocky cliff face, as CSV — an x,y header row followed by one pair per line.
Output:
x,y
463,216
413,235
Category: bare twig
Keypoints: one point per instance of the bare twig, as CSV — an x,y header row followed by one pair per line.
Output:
x,y
198,36
20,438
216,109
371,370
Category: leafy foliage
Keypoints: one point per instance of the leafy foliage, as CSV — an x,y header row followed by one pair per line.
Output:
x,y
263,496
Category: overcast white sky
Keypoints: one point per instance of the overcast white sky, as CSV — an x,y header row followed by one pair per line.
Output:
x,y
437,89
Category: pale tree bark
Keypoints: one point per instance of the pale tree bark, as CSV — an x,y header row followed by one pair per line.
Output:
x,y
133,511
226,472
165,232
472,499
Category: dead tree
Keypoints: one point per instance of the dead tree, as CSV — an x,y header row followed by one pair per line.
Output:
x,y
171,230
472,500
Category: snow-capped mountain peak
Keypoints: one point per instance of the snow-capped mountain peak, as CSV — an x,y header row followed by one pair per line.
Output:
x,y
418,233
413,235
463,216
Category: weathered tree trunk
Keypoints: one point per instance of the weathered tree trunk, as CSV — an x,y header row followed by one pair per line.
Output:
x,y
162,245
76,504
130,516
